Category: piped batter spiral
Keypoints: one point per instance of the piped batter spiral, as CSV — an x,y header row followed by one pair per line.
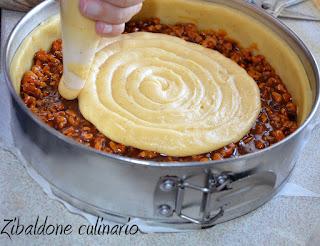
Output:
x,y
160,93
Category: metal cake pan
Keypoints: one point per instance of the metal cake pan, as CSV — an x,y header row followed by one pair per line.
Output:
x,y
177,195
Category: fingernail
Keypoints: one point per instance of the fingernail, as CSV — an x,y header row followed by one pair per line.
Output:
x,y
104,28
83,5
91,8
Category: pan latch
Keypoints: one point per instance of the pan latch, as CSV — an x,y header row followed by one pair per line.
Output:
x,y
171,198
207,196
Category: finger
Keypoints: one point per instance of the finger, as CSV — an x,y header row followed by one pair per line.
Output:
x,y
105,12
108,30
124,3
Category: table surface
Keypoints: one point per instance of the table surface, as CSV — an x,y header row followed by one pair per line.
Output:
x,y
285,220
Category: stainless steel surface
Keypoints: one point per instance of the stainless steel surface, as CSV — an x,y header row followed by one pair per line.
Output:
x,y
118,187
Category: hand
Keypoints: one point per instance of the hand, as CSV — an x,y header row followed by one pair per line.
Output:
x,y
110,15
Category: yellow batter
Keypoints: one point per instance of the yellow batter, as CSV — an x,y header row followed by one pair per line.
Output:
x,y
161,93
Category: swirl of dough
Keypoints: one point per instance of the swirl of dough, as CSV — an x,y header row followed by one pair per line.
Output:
x,y
160,93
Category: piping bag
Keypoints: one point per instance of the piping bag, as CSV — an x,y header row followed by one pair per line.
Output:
x,y
80,42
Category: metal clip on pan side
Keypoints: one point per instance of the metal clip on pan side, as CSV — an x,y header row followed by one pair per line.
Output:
x,y
214,184
219,193
178,188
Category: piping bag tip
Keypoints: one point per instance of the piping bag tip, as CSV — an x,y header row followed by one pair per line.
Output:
x,y
67,92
